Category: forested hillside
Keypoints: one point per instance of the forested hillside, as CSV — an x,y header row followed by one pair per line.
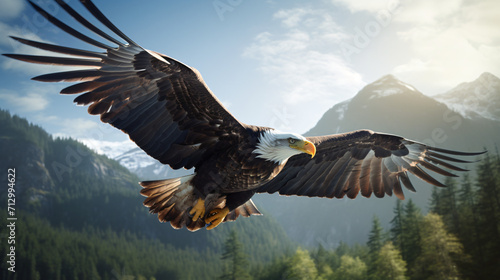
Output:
x,y
80,216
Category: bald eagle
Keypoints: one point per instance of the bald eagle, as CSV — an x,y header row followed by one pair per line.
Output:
x,y
168,111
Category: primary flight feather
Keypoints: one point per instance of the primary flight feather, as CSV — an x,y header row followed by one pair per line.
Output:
x,y
168,111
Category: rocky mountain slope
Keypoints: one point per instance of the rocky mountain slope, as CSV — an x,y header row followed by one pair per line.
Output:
x,y
477,99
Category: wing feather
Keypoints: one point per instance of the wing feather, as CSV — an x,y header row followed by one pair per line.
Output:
x,y
353,185
364,177
60,49
66,28
396,188
69,76
376,184
55,60
86,23
337,181
406,182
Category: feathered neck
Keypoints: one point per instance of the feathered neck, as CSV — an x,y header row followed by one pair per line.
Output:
x,y
269,147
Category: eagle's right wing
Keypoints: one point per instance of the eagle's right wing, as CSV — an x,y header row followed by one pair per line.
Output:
x,y
362,161
163,105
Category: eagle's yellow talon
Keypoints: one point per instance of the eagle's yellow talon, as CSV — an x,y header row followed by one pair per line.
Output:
x,y
216,217
198,210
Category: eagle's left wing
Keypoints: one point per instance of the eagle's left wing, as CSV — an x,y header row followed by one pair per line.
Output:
x,y
362,161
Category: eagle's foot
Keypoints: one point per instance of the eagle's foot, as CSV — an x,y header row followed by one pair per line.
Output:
x,y
216,217
198,210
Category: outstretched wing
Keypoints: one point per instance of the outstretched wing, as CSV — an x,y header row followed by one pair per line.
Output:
x,y
361,161
162,104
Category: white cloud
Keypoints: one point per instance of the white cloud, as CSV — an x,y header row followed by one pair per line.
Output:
x,y
43,118
291,18
411,11
451,42
302,60
87,127
78,128
428,11
28,102
11,8
415,65
372,6
440,43
480,21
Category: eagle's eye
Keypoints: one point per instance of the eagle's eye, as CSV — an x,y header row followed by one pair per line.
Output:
x,y
291,140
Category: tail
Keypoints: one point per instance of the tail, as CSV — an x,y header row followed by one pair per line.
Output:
x,y
172,199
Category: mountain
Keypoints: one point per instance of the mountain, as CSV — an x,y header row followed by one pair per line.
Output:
x,y
477,99
146,167
369,100
392,106
66,191
109,148
134,159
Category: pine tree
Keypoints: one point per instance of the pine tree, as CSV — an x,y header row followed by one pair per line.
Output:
x,y
324,261
469,229
444,203
397,226
488,207
350,269
301,266
342,249
375,242
440,250
411,234
376,237
435,204
389,264
320,255
237,260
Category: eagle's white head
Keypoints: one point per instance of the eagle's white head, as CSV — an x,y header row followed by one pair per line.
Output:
x,y
279,146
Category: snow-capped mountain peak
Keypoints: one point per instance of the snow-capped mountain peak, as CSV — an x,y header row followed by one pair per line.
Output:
x,y
387,85
109,148
134,159
479,98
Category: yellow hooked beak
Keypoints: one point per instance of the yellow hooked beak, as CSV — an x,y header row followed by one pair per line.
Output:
x,y
305,147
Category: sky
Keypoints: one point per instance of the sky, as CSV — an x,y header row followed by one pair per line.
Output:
x,y
272,63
